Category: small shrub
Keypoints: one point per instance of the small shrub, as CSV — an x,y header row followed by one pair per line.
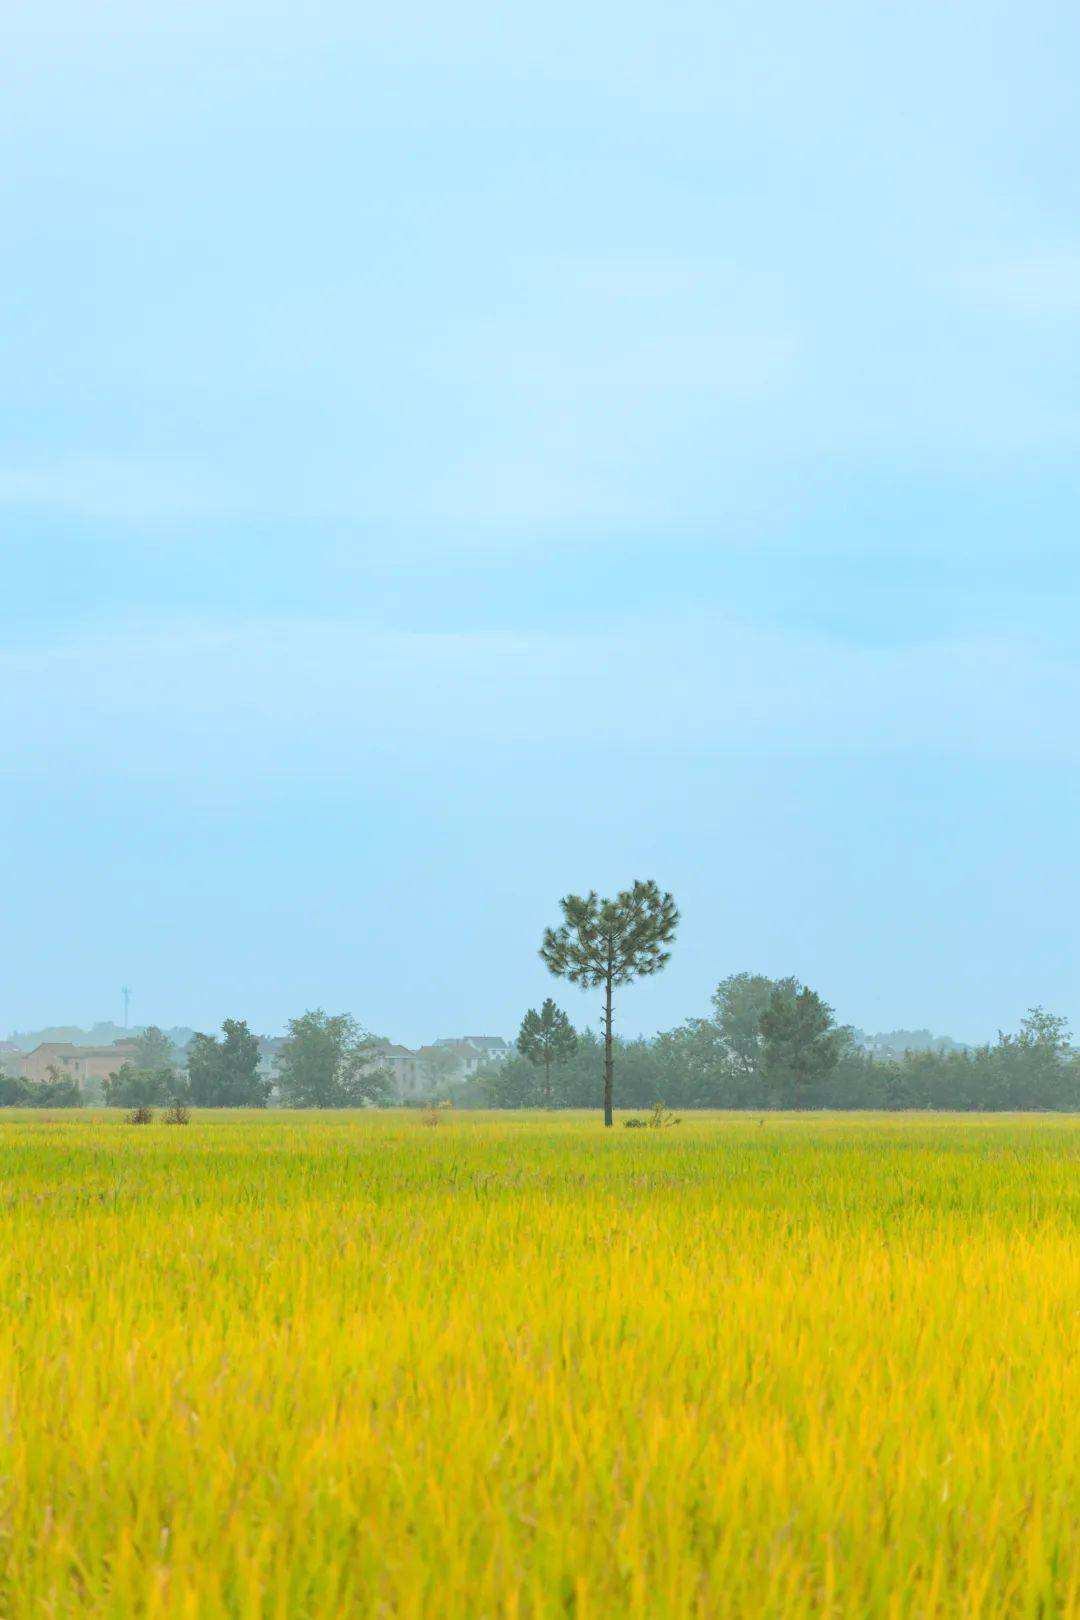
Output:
x,y
141,1116
178,1114
659,1119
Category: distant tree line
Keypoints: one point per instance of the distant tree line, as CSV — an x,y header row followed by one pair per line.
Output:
x,y
57,1091
326,1061
775,1043
767,1044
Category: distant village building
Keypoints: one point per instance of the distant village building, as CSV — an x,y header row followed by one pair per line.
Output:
x,y
467,1057
477,1051
79,1063
404,1067
414,1074
492,1048
447,1061
269,1051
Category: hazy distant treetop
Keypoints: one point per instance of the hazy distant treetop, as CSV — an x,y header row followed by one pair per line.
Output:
x,y
738,1004
908,1040
1042,1029
102,1034
329,1061
153,1049
802,1043
133,1087
224,1071
439,1066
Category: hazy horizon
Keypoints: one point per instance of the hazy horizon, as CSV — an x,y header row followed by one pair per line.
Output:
x,y
456,457
113,1030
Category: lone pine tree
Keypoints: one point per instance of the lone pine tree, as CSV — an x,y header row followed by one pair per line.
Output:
x,y
547,1037
609,943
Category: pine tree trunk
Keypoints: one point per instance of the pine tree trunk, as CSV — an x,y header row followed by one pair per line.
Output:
x,y
609,1058
547,1082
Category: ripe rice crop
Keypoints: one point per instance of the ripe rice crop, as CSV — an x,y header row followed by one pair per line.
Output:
x,y
293,1366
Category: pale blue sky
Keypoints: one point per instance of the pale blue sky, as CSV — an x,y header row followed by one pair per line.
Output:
x,y
455,454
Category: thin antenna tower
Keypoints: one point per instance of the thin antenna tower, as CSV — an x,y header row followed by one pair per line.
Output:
x,y
126,993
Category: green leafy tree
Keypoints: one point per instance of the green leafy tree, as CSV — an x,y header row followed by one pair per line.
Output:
x,y
440,1068
608,943
510,1084
547,1037
738,1004
1034,1069
329,1061
58,1090
153,1049
14,1091
802,1045
224,1072
694,1069
134,1087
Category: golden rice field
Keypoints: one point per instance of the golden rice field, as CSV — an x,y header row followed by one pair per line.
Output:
x,y
292,1366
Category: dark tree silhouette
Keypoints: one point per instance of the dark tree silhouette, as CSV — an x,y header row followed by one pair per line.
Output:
x,y
609,943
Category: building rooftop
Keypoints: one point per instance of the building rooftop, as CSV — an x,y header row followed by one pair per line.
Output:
x,y
66,1049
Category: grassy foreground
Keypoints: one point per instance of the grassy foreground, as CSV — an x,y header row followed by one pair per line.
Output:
x,y
348,1365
